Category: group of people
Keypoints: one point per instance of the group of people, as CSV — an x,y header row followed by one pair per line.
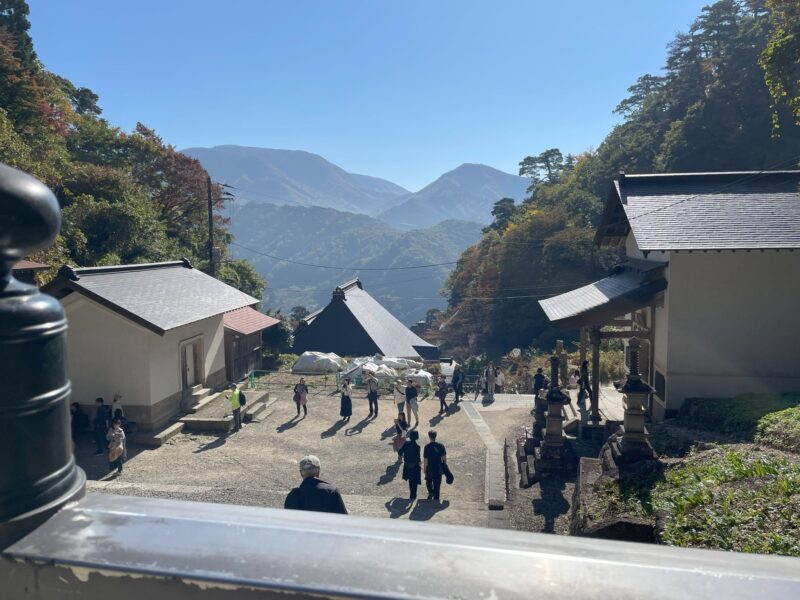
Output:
x,y
107,427
492,381
315,494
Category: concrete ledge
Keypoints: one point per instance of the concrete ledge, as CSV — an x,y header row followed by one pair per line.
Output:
x,y
157,438
193,423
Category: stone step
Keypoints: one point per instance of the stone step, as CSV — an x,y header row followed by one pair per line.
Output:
x,y
156,438
197,388
203,401
253,410
195,423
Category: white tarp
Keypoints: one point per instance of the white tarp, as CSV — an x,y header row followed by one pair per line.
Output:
x,y
318,362
393,364
419,376
380,371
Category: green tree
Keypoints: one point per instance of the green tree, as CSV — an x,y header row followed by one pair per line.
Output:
x,y
780,58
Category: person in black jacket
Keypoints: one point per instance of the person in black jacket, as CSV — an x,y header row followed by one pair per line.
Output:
x,y
101,423
435,457
412,463
313,493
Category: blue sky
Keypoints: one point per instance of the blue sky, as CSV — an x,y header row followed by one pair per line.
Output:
x,y
400,90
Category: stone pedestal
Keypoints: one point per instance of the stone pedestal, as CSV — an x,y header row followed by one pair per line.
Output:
x,y
539,417
551,455
562,362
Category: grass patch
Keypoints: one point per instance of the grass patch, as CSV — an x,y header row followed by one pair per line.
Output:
x,y
780,429
728,498
737,416
732,500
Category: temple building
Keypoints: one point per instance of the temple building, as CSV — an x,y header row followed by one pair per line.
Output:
x,y
710,283
355,324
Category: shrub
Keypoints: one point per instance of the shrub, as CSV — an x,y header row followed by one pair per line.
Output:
x,y
780,429
737,416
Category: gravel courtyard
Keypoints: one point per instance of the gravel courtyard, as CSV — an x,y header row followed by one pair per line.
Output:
x,y
258,465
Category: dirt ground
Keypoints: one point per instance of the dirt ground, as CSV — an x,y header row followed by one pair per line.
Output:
x,y
258,465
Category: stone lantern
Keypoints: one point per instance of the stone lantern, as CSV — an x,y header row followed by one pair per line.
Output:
x,y
550,456
634,445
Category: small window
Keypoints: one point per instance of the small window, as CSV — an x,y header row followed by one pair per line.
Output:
x,y
661,385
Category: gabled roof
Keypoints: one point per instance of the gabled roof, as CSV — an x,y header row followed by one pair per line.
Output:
x,y
28,265
247,320
630,286
704,211
354,323
158,296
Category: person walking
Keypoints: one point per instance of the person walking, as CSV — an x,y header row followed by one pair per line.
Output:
x,y
79,420
411,402
458,384
412,463
435,457
399,395
490,376
346,407
236,406
100,424
441,393
538,381
313,493
401,429
372,393
501,381
585,383
116,446
301,396
480,386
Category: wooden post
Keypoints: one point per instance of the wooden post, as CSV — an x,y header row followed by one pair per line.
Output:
x,y
595,410
584,336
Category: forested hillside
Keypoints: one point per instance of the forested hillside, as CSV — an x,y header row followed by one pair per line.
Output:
x,y
125,197
358,243
710,110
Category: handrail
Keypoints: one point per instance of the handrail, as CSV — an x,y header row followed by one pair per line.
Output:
x,y
313,554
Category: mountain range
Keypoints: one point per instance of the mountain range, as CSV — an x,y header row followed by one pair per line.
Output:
x,y
297,178
354,244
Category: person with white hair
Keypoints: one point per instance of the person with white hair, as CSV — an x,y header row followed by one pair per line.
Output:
x,y
313,493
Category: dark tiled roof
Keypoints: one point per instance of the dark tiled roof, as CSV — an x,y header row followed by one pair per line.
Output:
x,y
354,324
28,265
630,286
159,296
709,211
247,320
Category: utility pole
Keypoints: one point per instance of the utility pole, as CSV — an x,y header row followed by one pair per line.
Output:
x,y
211,270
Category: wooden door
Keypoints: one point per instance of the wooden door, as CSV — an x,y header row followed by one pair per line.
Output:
x,y
189,364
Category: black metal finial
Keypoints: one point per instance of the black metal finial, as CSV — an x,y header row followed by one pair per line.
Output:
x,y
633,345
29,217
38,474
554,362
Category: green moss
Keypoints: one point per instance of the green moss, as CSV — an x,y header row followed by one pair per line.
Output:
x,y
780,429
737,416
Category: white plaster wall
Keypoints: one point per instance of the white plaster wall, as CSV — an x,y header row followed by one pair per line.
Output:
x,y
733,324
165,357
107,354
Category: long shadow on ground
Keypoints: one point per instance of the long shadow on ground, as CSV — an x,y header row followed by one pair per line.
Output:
x,y
358,427
425,509
333,429
220,441
391,473
293,422
397,507
552,503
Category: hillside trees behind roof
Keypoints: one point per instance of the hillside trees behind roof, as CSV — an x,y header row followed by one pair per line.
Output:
x,y
125,197
709,110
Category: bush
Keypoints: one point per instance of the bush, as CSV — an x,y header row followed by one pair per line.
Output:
x,y
737,416
780,430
